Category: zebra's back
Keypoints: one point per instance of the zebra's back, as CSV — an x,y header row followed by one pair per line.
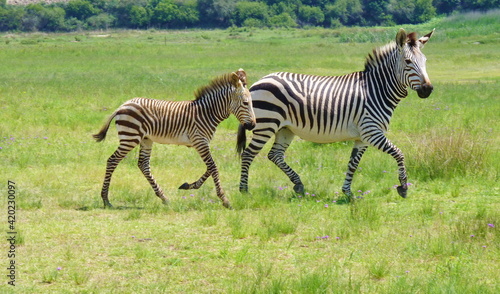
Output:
x,y
321,109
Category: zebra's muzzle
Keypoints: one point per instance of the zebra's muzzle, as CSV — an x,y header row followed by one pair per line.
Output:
x,y
425,91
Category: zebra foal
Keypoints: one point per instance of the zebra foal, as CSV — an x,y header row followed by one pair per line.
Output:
x,y
324,109
142,121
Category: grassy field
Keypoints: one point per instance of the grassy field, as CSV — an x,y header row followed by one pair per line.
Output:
x,y
56,90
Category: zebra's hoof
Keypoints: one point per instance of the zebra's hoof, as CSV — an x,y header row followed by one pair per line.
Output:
x,y
107,205
184,186
299,189
402,191
243,189
227,205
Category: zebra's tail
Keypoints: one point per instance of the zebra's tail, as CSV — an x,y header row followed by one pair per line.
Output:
x,y
241,140
102,133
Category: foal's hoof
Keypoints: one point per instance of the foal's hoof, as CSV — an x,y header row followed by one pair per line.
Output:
x,y
227,205
243,189
107,205
299,189
184,186
402,191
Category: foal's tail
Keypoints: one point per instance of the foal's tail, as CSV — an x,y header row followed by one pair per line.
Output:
x,y
102,133
241,140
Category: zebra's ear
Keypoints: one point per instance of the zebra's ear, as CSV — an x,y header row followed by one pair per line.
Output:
x,y
235,79
242,76
401,38
426,38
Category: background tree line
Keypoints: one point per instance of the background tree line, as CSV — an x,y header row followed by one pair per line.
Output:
x,y
141,14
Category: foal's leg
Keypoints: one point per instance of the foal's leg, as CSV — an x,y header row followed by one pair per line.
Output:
x,y
112,163
283,139
197,184
143,163
204,151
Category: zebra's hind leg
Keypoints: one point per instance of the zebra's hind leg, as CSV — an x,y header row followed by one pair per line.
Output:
x,y
356,154
277,153
197,184
143,164
259,139
111,165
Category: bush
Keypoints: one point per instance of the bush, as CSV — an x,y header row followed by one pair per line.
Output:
x,y
139,16
311,15
167,14
81,9
11,17
251,11
282,20
101,21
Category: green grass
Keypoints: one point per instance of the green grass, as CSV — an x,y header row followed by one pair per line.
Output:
x,y
55,93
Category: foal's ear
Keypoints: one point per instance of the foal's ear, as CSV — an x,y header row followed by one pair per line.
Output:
x,y
401,38
235,79
426,38
242,76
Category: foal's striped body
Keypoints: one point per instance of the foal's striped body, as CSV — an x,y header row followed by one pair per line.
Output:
x,y
142,121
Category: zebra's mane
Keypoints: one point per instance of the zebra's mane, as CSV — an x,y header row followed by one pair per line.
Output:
x,y
379,56
218,83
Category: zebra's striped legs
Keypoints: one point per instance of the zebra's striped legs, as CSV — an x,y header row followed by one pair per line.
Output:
x,y
387,147
283,139
356,154
258,141
143,164
204,151
396,153
197,184
112,163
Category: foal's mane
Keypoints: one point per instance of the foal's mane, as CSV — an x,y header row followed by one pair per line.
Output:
x,y
218,83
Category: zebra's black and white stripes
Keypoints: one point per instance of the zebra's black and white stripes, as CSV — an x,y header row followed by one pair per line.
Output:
x,y
142,121
324,109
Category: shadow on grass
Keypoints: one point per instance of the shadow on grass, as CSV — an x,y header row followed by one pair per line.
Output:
x,y
88,208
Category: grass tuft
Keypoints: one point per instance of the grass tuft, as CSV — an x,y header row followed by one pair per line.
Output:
x,y
444,153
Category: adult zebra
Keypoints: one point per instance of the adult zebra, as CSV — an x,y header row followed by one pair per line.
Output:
x,y
323,109
142,121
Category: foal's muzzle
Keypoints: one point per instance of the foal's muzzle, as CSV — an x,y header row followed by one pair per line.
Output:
x,y
249,126
425,90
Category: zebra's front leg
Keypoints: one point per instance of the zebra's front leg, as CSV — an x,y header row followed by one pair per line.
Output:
x,y
357,152
143,164
204,151
277,154
386,146
197,184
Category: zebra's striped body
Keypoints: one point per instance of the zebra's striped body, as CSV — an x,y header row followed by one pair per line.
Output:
x,y
142,121
324,109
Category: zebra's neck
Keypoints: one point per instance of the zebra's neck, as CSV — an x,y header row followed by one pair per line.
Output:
x,y
384,85
214,106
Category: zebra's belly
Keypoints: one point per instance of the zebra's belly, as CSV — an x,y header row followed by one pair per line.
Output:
x,y
326,136
178,140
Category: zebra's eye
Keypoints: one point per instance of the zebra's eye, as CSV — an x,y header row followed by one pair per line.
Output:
x,y
408,61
